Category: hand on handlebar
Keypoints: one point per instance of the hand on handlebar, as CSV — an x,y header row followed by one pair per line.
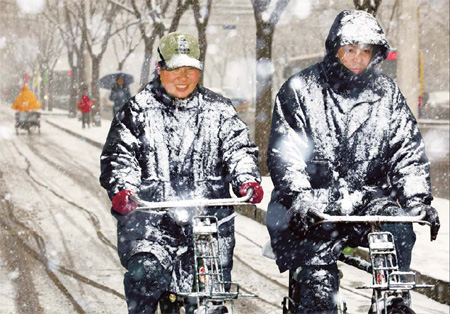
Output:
x,y
122,203
301,216
431,216
258,192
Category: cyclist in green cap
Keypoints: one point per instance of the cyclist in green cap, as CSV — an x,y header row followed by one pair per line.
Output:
x,y
174,140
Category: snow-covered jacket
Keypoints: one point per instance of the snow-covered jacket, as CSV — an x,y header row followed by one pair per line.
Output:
x,y
340,140
85,104
165,149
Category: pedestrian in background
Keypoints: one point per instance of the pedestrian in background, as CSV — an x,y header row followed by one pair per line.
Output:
x,y
85,106
120,94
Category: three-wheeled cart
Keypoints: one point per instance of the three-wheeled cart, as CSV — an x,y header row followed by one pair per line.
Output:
x,y
30,121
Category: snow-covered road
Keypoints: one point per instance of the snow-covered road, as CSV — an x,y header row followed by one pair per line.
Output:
x,y
58,252
58,239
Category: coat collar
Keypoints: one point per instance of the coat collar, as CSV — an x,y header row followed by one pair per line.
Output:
x,y
356,110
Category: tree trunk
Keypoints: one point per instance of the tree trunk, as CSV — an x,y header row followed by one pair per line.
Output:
x,y
264,73
145,70
95,90
203,45
42,87
48,89
73,85
120,65
73,92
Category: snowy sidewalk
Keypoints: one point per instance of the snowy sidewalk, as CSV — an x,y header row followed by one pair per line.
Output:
x,y
430,259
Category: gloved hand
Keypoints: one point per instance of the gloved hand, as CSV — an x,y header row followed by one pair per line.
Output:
x,y
300,216
121,202
258,192
431,216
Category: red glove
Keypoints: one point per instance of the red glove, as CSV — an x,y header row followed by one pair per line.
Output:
x,y
121,202
258,192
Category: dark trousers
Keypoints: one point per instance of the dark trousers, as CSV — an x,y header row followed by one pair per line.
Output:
x,y
316,286
145,283
86,119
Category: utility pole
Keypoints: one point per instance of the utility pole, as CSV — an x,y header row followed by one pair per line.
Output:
x,y
408,52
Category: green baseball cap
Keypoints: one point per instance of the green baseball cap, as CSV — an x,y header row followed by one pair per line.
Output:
x,y
179,50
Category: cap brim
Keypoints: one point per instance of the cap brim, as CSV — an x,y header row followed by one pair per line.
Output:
x,y
182,60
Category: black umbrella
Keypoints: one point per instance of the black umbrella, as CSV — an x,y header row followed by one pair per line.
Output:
x,y
109,80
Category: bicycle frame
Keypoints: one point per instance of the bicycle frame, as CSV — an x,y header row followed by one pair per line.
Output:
x,y
209,286
387,280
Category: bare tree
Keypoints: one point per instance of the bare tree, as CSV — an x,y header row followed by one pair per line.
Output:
x,y
62,17
49,51
201,16
151,15
96,26
265,28
154,26
87,27
128,39
18,46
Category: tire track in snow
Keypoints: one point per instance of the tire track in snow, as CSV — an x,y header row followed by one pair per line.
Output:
x,y
12,223
92,217
19,267
40,256
75,174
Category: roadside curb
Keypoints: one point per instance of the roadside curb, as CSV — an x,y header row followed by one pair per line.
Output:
x,y
440,293
50,114
92,142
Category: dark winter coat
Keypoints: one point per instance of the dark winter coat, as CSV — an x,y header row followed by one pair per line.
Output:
x,y
166,149
346,143
120,95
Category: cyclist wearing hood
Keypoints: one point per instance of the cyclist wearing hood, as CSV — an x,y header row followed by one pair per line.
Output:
x,y
174,140
344,142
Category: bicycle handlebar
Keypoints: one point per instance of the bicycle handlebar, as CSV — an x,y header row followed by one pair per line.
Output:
x,y
370,219
193,203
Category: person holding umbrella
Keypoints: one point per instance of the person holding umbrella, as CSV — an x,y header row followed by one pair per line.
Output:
x,y
118,83
120,93
174,140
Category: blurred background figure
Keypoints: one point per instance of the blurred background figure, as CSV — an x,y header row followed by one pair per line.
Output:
x,y
120,93
85,106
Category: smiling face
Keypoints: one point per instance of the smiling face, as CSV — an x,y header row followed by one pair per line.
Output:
x,y
356,58
179,82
